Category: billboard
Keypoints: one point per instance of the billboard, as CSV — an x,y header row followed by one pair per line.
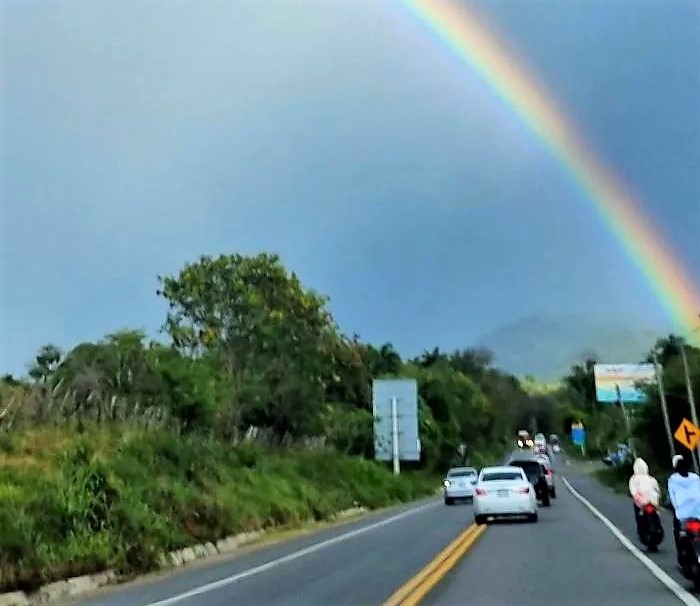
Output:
x,y
405,392
625,377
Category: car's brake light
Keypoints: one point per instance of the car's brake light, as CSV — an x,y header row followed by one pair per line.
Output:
x,y
481,492
693,526
524,490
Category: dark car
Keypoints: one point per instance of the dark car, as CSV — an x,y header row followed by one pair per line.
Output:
x,y
537,474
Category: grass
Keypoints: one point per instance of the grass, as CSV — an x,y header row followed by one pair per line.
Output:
x,y
616,478
118,497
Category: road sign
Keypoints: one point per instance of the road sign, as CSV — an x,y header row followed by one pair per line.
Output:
x,y
688,434
616,383
578,434
395,407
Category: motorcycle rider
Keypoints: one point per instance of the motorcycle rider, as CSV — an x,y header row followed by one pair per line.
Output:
x,y
644,489
684,492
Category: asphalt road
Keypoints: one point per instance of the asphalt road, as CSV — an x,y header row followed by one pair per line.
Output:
x,y
618,510
568,557
364,569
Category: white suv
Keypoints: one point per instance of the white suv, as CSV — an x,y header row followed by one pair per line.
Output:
x,y
459,484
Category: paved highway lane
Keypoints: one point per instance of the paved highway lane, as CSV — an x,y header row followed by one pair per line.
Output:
x,y
568,557
363,569
618,510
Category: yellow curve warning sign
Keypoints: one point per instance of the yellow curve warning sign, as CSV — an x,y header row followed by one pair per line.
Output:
x,y
688,434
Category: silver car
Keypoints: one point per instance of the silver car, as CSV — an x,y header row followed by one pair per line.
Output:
x,y
459,484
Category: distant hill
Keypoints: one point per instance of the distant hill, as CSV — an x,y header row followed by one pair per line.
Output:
x,y
546,346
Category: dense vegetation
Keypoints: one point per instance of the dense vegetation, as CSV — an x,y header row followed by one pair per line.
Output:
x,y
72,504
605,422
255,411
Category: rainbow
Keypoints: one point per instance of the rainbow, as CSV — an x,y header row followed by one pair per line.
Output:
x,y
469,38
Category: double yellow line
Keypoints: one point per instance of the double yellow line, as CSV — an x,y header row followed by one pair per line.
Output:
x,y
415,590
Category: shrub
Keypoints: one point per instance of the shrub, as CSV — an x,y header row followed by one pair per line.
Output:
x,y
120,497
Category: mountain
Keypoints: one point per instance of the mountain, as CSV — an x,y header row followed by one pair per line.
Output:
x,y
546,346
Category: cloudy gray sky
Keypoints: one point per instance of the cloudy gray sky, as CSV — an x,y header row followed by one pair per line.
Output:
x,y
138,135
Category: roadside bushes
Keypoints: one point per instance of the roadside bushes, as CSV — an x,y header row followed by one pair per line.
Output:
x,y
118,497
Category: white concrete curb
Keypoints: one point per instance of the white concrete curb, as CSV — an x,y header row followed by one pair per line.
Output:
x,y
16,598
77,586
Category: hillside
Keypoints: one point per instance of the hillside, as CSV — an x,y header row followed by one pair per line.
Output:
x,y
545,346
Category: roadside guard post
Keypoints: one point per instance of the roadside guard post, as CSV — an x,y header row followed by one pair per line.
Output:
x,y
395,409
578,436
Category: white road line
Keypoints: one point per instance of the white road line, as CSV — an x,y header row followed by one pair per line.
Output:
x,y
288,558
682,594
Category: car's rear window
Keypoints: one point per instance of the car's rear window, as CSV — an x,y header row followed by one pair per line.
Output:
x,y
461,474
532,468
501,475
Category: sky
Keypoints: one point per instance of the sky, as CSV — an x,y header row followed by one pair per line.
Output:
x,y
136,136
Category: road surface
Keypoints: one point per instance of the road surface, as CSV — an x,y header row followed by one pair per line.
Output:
x,y
569,557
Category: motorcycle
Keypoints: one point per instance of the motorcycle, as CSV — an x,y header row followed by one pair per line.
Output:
x,y
651,532
689,550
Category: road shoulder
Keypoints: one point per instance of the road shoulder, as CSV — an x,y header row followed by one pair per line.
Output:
x,y
618,510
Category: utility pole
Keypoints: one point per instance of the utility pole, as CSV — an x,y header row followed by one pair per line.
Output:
x,y
627,420
664,408
689,386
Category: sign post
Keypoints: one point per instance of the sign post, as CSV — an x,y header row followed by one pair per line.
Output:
x,y
691,395
395,409
395,435
625,414
664,408
578,436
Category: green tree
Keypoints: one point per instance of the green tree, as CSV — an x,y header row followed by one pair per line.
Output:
x,y
581,380
192,388
272,336
650,428
45,363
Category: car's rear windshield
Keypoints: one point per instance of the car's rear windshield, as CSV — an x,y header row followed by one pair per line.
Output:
x,y
501,475
461,473
532,468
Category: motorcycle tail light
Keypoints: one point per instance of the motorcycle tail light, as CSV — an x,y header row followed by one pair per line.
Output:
x,y
693,526
649,508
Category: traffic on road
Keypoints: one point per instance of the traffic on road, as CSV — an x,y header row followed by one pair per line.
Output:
x,y
584,550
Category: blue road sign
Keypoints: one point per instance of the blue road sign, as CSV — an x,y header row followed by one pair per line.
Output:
x,y
578,435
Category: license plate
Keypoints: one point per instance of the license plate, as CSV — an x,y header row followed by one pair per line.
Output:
x,y
502,493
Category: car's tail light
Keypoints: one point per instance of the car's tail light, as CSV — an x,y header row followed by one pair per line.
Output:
x,y
524,490
649,508
481,492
